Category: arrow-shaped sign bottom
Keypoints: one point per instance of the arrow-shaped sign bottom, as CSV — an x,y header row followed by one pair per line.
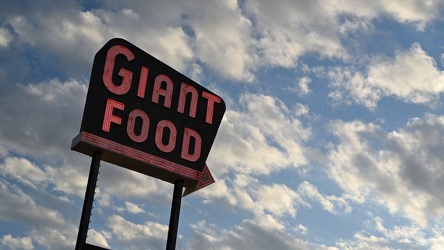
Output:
x,y
204,181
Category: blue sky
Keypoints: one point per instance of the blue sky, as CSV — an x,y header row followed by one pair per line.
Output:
x,y
332,138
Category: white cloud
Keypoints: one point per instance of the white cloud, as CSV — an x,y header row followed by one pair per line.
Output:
x,y
139,235
231,38
74,35
351,86
289,29
379,236
5,37
78,34
11,243
259,199
3,151
303,85
412,234
262,232
224,38
123,183
328,203
97,239
399,170
169,44
69,178
133,208
40,120
65,178
286,30
278,199
51,238
24,171
301,229
19,206
363,241
27,110
411,76
50,228
128,231
263,137
301,109
221,193
216,33
416,12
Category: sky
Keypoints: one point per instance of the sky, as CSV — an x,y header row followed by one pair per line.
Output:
x,y
332,137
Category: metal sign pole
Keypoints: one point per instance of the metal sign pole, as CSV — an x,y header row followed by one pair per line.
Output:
x,y
89,199
174,216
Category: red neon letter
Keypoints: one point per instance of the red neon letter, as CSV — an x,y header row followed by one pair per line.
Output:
x,y
109,117
159,135
109,67
210,106
184,90
167,93
188,133
132,121
142,82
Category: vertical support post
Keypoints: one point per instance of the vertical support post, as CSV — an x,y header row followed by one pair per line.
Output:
x,y
174,216
89,199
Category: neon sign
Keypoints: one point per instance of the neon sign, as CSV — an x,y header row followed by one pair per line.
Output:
x,y
145,116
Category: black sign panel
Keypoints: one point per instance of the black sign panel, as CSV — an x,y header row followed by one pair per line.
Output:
x,y
139,102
